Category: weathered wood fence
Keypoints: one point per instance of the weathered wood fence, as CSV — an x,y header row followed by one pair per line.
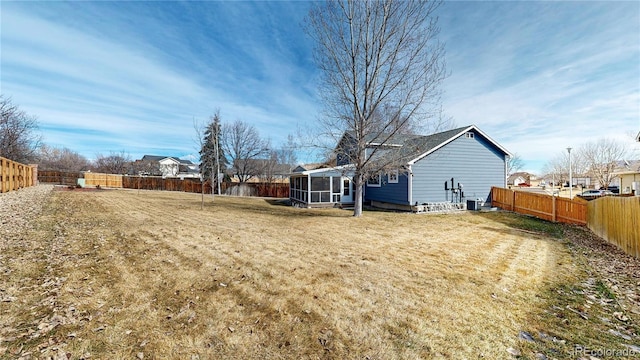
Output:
x,y
14,176
195,186
542,206
617,220
59,177
167,184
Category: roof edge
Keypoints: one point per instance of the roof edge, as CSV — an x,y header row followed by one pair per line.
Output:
x,y
458,134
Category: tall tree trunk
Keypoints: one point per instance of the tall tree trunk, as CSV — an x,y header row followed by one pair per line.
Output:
x,y
359,183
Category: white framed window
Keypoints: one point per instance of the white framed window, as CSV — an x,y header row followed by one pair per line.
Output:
x,y
374,181
393,176
469,135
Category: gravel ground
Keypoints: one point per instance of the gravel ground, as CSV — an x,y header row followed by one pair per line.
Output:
x,y
19,208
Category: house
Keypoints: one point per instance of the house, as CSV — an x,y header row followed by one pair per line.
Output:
x,y
167,166
628,173
638,137
523,179
449,166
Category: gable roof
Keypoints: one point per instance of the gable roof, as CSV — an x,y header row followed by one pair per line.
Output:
x,y
638,137
409,145
311,166
159,158
627,167
329,171
428,144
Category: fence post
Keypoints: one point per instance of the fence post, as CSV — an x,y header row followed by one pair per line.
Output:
x,y
553,206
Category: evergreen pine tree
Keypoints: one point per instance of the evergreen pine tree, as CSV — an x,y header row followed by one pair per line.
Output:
x,y
212,137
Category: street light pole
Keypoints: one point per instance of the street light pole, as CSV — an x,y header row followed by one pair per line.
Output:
x,y
570,175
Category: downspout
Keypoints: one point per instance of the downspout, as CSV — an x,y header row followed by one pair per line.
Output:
x,y
505,171
410,185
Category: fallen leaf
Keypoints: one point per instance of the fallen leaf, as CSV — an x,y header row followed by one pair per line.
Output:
x,y
621,316
514,352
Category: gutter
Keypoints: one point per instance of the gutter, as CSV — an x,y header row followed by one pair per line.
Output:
x,y
410,186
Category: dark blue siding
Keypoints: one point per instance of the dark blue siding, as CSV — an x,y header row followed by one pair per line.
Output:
x,y
390,193
473,162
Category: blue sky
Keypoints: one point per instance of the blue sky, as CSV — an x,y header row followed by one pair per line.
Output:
x,y
134,76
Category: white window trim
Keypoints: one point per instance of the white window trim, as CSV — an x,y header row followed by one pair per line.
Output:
x,y
394,172
369,184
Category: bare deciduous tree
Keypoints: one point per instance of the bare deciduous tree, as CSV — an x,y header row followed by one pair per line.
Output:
x,y
61,159
146,167
19,139
514,164
600,158
382,66
114,163
242,145
558,167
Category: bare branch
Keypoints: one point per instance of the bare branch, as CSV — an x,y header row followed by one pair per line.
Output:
x,y
382,66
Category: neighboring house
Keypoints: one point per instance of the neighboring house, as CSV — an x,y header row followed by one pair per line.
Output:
x,y
628,173
523,179
169,166
451,166
638,137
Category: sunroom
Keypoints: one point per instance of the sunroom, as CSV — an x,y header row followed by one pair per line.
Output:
x,y
327,187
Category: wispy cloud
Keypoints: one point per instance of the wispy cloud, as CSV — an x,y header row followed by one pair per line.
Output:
x,y
542,76
105,76
137,82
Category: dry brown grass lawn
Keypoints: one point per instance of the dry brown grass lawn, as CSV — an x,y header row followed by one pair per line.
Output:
x,y
152,275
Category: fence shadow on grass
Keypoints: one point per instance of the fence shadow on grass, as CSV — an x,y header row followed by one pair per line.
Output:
x,y
525,223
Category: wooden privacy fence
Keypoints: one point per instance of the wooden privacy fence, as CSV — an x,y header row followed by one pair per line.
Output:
x,y
617,220
102,180
168,184
157,183
14,176
195,186
613,218
59,177
542,206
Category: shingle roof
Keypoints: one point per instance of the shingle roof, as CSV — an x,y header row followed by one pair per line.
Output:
x,y
414,147
159,157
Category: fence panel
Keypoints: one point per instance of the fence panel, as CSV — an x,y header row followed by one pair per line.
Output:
x,y
502,198
195,186
545,207
102,180
14,175
69,178
538,205
616,220
571,211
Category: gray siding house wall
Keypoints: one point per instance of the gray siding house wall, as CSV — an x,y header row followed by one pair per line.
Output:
x,y
473,162
389,193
